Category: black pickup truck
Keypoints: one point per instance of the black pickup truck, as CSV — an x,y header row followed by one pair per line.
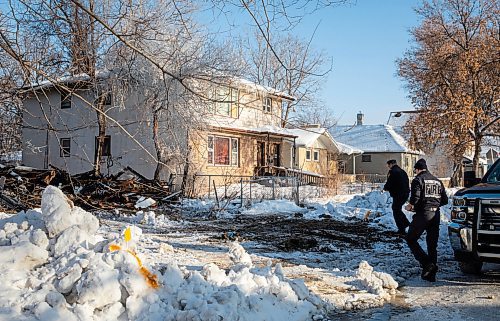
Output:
x,y
474,229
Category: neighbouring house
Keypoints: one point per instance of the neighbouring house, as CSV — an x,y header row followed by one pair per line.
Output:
x,y
316,151
378,143
490,154
241,134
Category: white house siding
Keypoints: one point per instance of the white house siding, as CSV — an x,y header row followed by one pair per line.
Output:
x,y
79,123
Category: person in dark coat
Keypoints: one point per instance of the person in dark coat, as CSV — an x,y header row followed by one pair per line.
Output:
x,y
398,187
427,196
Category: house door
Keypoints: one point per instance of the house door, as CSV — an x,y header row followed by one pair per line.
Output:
x,y
276,155
261,154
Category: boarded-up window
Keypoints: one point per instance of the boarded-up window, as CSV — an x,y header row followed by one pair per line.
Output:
x,y
64,147
65,100
106,147
223,151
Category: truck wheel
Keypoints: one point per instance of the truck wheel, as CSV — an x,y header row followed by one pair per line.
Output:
x,y
471,267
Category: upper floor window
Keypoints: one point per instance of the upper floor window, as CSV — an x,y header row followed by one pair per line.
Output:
x,y
64,147
366,158
267,104
316,155
65,100
225,102
308,154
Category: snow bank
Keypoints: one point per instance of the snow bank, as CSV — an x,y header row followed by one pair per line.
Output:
x,y
274,207
64,272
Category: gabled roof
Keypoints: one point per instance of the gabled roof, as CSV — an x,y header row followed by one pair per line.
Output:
x,y
372,138
307,137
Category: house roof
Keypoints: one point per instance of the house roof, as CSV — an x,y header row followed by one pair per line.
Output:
x,y
264,130
372,138
103,74
260,88
307,137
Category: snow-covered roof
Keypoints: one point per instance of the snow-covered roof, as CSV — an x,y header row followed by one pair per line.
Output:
x,y
306,137
268,129
372,138
348,149
66,79
260,88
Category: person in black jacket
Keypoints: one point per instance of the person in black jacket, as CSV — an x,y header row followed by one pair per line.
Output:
x,y
427,195
398,187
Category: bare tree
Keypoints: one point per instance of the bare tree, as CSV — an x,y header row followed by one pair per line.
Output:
x,y
300,71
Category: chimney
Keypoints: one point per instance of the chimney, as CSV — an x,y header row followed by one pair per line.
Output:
x,y
359,119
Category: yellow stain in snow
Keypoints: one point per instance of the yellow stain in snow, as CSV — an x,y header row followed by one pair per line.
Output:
x,y
128,234
151,279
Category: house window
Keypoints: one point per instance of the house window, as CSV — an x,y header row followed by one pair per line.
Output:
x,y
223,150
65,100
267,104
210,148
234,151
64,147
366,158
341,166
106,147
316,155
225,102
308,154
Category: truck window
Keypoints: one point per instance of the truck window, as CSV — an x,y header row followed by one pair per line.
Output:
x,y
494,175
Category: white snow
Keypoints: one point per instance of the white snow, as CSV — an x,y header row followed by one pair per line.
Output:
x,y
57,264
274,207
371,138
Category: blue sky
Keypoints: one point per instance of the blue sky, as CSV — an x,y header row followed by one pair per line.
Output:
x,y
364,41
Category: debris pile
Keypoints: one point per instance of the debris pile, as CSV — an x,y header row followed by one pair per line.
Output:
x,y
21,188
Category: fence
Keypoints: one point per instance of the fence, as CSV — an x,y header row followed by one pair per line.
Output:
x,y
242,189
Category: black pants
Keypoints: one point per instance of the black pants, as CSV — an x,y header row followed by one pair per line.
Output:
x,y
428,222
399,217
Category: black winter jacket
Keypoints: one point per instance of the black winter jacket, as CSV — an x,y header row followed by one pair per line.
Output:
x,y
397,183
427,192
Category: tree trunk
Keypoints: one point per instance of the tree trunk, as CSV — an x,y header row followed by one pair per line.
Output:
x,y
185,181
160,163
101,123
477,153
456,177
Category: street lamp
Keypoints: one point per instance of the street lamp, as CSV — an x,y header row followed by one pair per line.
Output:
x,y
400,113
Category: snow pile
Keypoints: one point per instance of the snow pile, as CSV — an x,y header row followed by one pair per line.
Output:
x,y
379,283
274,207
63,271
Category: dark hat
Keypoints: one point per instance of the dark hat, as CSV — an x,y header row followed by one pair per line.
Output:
x,y
420,164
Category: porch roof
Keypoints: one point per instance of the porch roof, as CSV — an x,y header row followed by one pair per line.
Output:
x,y
265,130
